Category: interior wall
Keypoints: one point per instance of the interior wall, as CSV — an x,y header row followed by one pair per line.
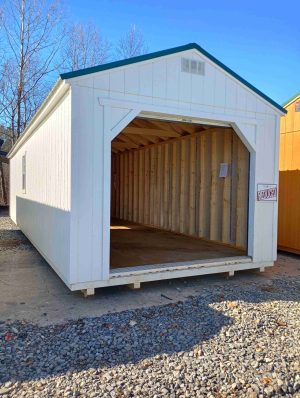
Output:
x,y
175,185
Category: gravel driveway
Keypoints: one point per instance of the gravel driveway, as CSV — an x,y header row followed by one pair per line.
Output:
x,y
11,237
230,340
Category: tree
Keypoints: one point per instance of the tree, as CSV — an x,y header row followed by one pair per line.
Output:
x,y
131,44
84,47
34,44
31,35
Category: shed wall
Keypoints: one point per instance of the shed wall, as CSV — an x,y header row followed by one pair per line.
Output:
x,y
289,181
43,210
176,186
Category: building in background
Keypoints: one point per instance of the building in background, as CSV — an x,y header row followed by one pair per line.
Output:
x,y
289,178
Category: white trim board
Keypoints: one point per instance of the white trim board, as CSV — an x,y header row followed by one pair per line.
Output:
x,y
150,275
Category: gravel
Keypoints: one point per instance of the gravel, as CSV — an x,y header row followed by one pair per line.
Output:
x,y
11,238
229,341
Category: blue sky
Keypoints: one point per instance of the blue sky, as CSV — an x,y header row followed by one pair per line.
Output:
x,y
260,40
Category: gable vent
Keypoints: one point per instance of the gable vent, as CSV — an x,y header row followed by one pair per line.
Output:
x,y
192,66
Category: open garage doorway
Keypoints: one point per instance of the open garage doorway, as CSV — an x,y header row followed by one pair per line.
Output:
x,y
179,193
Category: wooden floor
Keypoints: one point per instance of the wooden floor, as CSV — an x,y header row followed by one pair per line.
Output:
x,y
135,244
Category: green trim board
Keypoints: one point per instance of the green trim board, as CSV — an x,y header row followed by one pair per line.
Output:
x,y
170,51
292,99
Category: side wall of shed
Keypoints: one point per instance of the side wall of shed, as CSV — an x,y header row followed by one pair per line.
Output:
x,y
43,210
289,181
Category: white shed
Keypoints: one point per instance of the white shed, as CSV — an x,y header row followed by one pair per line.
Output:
x,y
161,166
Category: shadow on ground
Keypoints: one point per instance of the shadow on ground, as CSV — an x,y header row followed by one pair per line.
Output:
x,y
141,324
30,352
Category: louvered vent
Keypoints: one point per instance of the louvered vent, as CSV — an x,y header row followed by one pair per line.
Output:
x,y
192,66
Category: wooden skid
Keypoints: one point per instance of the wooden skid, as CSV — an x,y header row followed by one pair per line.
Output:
x,y
137,275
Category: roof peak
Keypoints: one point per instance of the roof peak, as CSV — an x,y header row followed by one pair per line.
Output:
x,y
291,100
162,53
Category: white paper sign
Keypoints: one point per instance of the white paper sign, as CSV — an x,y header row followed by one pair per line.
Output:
x,y
223,170
267,192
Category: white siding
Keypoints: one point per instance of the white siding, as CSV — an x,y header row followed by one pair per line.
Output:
x,y
90,125
160,81
266,171
43,211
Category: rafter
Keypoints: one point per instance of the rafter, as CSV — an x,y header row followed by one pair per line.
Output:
x,y
138,139
147,131
124,145
124,138
153,139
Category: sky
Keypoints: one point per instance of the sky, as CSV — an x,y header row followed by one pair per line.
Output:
x,y
259,40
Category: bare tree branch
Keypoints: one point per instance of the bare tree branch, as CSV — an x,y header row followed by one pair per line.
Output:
x,y
131,44
84,47
31,33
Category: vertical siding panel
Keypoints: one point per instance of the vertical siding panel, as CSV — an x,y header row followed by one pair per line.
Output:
x,y
214,188
226,216
205,185
158,221
122,186
183,185
130,186
160,79
216,199
135,185
197,184
112,187
170,196
141,155
242,196
118,186
147,187
165,188
234,179
152,183
126,188
175,186
192,191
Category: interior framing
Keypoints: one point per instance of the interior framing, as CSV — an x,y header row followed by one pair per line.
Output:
x,y
165,174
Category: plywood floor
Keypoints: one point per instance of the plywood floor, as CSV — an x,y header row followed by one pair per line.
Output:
x,y
135,244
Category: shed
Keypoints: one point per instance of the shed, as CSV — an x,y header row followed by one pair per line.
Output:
x,y
156,167
289,178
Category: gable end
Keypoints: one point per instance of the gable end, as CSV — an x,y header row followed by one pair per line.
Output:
x,y
170,51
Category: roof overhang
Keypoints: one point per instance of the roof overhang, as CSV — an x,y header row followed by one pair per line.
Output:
x,y
54,96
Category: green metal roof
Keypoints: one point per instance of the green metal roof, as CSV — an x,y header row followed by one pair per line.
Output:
x,y
291,99
170,51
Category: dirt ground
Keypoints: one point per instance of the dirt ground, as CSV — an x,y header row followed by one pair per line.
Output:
x,y
31,291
